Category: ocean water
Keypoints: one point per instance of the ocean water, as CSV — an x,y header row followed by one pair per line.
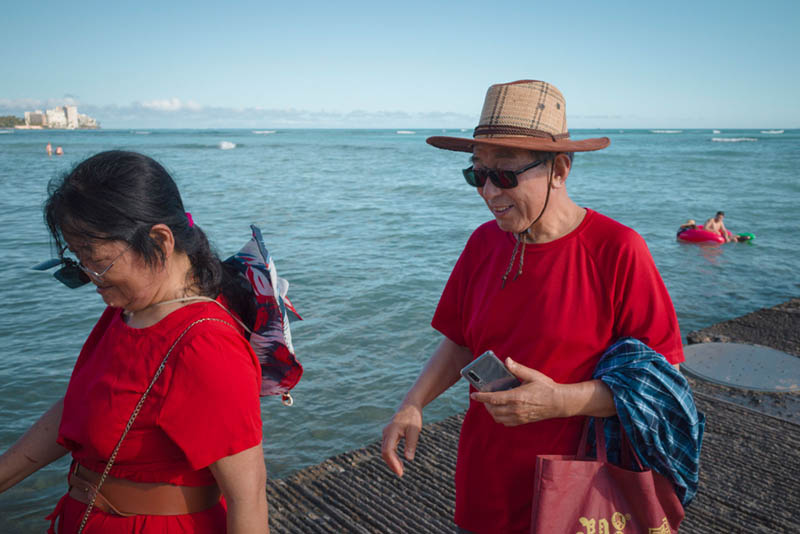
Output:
x,y
366,225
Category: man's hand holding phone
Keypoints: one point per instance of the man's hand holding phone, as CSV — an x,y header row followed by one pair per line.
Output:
x,y
537,397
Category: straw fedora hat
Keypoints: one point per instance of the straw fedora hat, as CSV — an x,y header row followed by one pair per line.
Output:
x,y
527,114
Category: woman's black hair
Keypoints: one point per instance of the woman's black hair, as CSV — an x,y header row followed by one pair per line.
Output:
x,y
119,196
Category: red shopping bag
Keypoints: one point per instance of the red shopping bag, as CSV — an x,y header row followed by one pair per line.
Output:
x,y
580,495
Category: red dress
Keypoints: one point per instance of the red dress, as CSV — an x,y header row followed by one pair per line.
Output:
x,y
204,406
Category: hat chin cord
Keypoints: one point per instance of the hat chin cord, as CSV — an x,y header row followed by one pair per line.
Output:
x,y
521,235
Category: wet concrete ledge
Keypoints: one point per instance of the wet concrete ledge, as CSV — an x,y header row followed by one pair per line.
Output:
x,y
777,327
748,481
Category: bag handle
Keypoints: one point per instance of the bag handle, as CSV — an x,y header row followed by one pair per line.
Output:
x,y
136,413
599,438
583,444
626,448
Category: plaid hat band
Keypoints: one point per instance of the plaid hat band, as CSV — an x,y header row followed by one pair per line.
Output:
x,y
513,131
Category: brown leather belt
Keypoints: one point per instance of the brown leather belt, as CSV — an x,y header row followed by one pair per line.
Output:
x,y
119,496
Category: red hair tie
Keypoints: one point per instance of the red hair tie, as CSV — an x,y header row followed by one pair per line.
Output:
x,y
191,221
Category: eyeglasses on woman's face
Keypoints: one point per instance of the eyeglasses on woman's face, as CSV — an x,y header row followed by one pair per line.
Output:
x,y
501,178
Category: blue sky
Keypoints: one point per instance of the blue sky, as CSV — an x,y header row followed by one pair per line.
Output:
x,y
700,64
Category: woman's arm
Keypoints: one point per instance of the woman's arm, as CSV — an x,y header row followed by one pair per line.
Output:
x,y
441,372
242,477
34,450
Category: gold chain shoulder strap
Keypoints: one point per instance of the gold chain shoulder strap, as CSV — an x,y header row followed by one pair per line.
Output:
x,y
136,413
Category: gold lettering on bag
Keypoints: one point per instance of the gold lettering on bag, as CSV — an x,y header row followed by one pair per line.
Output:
x,y
600,526
662,529
618,521
589,525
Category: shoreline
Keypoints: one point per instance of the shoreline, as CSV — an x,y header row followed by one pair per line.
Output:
x,y
24,127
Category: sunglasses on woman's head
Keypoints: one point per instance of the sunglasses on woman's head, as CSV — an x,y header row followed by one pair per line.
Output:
x,y
500,178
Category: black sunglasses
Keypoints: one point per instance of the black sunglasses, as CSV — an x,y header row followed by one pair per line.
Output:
x,y
502,179
73,274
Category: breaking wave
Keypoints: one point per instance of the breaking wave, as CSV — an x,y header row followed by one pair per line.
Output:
x,y
406,132
263,132
666,131
732,139
226,145
774,132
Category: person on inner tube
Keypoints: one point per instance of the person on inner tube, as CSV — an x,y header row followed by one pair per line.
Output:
x,y
688,225
716,224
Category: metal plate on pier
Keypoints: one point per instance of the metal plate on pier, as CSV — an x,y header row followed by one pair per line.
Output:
x,y
743,366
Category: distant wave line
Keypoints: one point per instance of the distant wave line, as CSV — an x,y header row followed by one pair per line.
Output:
x,y
774,132
406,132
204,146
733,139
227,145
263,132
666,131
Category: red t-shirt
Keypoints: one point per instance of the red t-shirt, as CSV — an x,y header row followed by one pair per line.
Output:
x,y
204,406
575,297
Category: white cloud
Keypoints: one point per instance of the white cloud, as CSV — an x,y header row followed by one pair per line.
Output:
x,y
169,104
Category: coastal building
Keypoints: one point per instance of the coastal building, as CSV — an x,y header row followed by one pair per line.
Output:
x,y
56,118
35,118
71,113
60,117
85,121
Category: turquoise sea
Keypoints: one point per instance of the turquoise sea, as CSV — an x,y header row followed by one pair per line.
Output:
x,y
366,225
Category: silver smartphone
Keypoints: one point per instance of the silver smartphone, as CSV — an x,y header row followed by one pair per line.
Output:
x,y
487,373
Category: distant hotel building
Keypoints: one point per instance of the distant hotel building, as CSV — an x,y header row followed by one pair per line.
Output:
x,y
61,117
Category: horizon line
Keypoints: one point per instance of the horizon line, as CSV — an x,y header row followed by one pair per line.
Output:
x,y
275,129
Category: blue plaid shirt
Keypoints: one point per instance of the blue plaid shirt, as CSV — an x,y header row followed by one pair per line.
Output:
x,y
656,408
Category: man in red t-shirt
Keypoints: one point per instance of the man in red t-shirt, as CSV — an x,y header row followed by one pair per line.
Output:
x,y
548,286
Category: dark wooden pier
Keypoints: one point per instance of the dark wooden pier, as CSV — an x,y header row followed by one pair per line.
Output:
x,y
749,480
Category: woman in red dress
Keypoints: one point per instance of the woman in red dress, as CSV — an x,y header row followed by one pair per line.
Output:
x,y
192,460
